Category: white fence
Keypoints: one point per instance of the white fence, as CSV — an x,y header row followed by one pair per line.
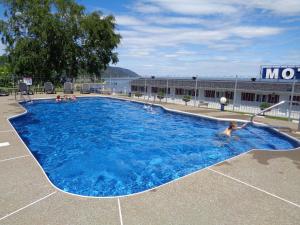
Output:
x,y
280,111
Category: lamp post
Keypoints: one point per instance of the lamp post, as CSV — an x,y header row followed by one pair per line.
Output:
x,y
223,102
152,77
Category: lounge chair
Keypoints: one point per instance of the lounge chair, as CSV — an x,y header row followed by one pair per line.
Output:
x,y
85,89
68,88
3,92
23,89
49,88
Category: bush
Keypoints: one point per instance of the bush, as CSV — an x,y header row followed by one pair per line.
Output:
x,y
264,105
186,99
138,94
160,95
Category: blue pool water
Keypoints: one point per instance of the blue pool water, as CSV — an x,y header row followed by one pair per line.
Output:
x,y
105,147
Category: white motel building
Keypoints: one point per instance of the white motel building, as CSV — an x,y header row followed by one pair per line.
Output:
x,y
245,95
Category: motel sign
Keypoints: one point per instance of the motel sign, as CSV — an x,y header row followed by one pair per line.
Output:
x,y
280,73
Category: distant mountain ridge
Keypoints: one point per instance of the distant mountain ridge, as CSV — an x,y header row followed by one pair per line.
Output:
x,y
118,72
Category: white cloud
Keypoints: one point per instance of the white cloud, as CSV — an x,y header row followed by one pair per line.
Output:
x,y
128,21
146,8
175,20
211,7
255,31
282,7
195,7
180,37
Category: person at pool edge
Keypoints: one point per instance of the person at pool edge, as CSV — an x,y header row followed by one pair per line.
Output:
x,y
233,127
58,98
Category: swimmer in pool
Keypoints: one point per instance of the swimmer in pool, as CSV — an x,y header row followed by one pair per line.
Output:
x,y
233,127
58,98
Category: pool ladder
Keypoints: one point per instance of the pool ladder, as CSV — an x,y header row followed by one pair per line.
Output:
x,y
266,110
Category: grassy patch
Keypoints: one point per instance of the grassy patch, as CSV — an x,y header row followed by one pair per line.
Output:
x,y
269,117
277,118
242,113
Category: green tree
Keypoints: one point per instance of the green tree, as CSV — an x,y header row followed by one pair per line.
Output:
x,y
5,71
51,39
98,42
186,99
161,95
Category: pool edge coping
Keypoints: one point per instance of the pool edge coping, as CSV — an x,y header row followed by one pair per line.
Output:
x,y
163,107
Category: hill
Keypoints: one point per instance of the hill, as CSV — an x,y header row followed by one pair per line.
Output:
x,y
118,72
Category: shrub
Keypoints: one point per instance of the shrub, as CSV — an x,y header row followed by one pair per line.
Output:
x,y
138,94
264,105
160,95
186,99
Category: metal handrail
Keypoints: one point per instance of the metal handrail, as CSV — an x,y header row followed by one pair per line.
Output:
x,y
266,110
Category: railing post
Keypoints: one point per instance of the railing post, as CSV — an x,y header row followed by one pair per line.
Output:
x,y
234,94
291,100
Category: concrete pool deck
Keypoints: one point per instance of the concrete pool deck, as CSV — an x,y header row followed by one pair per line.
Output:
x,y
258,187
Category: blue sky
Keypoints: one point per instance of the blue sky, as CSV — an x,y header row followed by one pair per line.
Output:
x,y
204,37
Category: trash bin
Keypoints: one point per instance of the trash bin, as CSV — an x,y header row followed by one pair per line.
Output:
x,y
129,94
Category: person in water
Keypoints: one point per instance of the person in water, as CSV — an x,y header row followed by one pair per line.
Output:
x,y
73,98
58,98
233,127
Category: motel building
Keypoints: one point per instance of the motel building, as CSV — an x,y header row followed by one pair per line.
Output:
x,y
275,84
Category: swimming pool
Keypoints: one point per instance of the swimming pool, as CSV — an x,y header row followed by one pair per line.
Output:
x,y
107,147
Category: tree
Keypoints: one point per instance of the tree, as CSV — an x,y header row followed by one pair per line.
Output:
x,y
161,95
263,106
5,71
186,99
51,39
138,94
99,36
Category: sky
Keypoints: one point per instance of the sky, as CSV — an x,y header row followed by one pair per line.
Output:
x,y
209,38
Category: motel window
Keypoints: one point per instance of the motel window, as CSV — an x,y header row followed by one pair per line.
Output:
x,y
142,89
191,92
134,88
296,100
273,99
164,90
209,94
229,95
179,91
226,94
261,98
154,90
248,97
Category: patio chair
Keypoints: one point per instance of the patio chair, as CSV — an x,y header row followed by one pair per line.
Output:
x,y
49,88
85,89
3,92
68,88
24,91
23,88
